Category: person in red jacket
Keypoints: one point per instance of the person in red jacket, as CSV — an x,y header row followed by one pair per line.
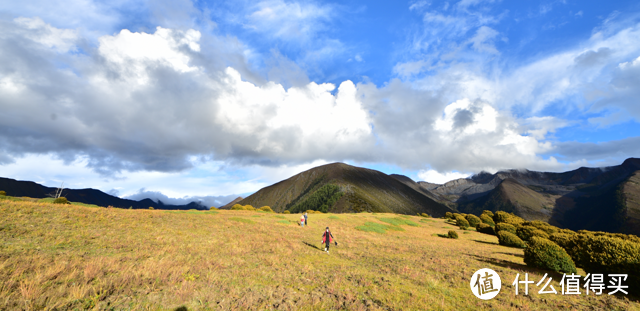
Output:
x,y
327,238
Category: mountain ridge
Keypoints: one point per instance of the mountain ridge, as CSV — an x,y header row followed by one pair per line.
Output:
x,y
19,188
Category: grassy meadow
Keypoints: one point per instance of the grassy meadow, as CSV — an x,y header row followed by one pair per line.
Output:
x,y
65,257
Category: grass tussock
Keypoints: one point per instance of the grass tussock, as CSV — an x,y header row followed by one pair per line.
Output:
x,y
69,257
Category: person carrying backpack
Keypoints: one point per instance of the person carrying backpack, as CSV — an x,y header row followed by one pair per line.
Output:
x,y
305,219
327,238
302,221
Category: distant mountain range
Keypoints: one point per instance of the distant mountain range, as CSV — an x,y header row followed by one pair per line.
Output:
x,y
598,199
31,189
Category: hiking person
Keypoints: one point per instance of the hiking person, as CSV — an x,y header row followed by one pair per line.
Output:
x,y
327,238
305,219
302,221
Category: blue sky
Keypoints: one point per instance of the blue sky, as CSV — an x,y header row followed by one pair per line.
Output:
x,y
208,100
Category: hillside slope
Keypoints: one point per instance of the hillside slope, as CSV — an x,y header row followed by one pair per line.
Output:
x,y
362,190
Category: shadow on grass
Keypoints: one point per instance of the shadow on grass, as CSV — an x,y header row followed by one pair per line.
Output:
x,y
517,255
519,267
485,242
311,245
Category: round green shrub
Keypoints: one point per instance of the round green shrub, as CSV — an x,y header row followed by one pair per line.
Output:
x,y
61,200
505,227
448,215
488,213
611,255
487,220
509,239
425,215
509,218
266,209
452,234
286,212
526,232
2,192
151,207
473,220
484,228
462,222
542,253
549,229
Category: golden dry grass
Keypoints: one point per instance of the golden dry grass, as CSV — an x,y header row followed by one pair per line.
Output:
x,y
60,257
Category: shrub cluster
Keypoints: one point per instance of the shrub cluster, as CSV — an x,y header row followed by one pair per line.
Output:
x,y
2,192
286,212
509,218
61,200
452,234
505,227
266,209
542,253
526,232
238,207
424,215
487,220
473,220
488,213
509,239
448,215
462,222
484,228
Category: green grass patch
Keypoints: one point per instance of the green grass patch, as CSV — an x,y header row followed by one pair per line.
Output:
x,y
244,220
399,221
280,216
286,222
378,227
334,217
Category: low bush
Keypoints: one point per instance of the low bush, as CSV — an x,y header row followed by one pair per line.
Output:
x,y
448,215
505,227
509,239
2,192
462,222
286,212
487,220
509,218
452,234
61,200
526,232
473,220
549,229
609,255
488,213
238,207
484,228
150,207
425,215
266,209
543,253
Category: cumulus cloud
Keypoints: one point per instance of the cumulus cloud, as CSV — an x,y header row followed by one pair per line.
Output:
x,y
148,101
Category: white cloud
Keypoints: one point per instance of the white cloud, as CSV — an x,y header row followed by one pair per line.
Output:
x,y
483,40
288,20
58,40
436,177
